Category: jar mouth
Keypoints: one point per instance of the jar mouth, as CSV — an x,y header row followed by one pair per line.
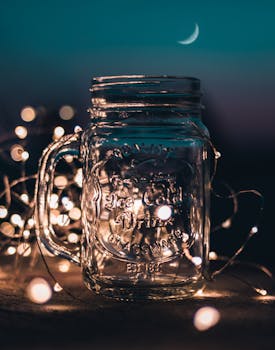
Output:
x,y
146,91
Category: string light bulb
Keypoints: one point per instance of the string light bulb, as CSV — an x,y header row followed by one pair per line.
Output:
x,y
11,250
196,260
164,212
57,287
254,229
58,132
227,223
73,237
213,256
64,266
3,212
206,317
25,197
21,132
39,291
16,220
261,291
25,156
75,214
60,181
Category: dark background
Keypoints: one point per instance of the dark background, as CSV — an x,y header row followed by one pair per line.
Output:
x,y
50,50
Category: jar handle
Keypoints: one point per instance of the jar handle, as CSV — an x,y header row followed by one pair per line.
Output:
x,y
67,145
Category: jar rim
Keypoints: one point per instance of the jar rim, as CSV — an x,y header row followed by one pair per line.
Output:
x,y
126,77
141,91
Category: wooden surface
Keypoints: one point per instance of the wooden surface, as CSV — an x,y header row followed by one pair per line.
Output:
x,y
65,322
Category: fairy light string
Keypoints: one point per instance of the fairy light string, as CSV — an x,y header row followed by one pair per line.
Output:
x,y
230,261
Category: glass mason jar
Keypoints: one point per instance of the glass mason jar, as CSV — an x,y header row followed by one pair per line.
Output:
x,y
145,193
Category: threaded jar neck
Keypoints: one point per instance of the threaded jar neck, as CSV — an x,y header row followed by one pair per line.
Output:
x,y
137,93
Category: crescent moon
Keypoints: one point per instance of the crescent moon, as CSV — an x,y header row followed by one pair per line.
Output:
x,y
193,37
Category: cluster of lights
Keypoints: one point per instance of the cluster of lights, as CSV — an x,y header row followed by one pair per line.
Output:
x,y
17,228
29,114
64,210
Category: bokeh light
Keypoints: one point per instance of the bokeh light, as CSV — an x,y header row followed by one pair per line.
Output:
x,y
7,229
39,291
28,114
60,181
58,132
75,213
206,317
64,266
16,152
3,212
164,212
21,132
66,112
73,237
11,250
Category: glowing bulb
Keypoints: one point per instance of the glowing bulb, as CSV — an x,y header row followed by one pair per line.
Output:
x,y
28,114
263,292
58,132
77,129
11,250
227,223
60,181
31,223
39,291
73,238
213,256
25,156
7,229
68,205
254,229
24,249
217,155
24,197
21,132
16,153
164,212
196,260
66,112
57,287
78,177
206,317
75,214
3,212
185,237
16,220
64,266
199,292
26,234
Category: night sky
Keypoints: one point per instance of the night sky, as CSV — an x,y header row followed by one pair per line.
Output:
x,y
50,50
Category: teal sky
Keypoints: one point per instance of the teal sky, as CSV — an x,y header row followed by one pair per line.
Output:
x,y
50,50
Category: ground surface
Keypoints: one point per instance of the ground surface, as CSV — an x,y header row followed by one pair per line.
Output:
x,y
247,321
